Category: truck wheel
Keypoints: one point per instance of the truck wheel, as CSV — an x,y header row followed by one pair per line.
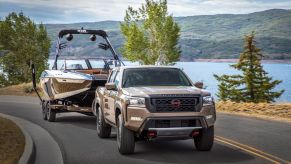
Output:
x,y
51,114
204,141
125,137
103,129
44,106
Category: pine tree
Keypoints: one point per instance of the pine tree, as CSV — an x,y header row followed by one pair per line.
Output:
x,y
24,42
149,33
254,84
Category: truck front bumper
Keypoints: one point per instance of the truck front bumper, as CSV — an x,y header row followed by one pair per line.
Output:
x,y
139,119
175,132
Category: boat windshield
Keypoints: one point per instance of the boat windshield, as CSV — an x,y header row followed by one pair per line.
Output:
x,y
80,64
96,63
74,64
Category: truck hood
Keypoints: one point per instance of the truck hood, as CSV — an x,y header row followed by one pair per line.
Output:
x,y
147,91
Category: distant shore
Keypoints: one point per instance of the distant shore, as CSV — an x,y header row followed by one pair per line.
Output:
x,y
286,61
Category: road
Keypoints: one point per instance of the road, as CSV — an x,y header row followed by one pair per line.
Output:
x,y
238,139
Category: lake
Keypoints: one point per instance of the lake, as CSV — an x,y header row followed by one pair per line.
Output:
x,y
203,71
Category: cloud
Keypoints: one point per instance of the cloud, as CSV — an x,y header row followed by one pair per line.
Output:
x,y
46,14
66,11
210,7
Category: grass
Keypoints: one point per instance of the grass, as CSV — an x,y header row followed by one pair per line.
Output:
x,y
280,112
12,142
24,89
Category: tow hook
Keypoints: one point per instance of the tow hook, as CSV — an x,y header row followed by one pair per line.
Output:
x,y
152,134
195,133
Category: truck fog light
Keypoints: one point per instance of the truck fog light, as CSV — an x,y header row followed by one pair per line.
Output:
x,y
209,116
136,118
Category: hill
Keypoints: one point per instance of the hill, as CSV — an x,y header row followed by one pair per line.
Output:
x,y
214,36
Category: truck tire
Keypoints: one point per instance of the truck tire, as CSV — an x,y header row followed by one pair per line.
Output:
x,y
44,106
125,137
51,114
204,141
103,129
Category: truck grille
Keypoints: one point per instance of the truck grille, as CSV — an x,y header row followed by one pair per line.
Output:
x,y
173,104
175,123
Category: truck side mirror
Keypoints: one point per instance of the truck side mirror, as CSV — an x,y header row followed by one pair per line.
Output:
x,y
110,86
199,84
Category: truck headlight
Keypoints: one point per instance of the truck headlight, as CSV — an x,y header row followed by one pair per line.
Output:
x,y
139,101
207,100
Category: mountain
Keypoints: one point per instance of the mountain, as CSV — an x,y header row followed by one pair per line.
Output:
x,y
214,36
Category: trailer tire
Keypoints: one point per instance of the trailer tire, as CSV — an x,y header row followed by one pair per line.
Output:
x,y
51,114
44,105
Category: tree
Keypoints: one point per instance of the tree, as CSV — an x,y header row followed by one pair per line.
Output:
x,y
151,35
23,42
253,85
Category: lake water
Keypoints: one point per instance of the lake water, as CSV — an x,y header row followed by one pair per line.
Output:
x,y
203,71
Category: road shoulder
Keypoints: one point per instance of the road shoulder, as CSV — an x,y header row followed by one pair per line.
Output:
x,y
42,148
260,117
268,111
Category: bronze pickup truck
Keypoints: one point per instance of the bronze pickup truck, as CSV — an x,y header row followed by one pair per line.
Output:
x,y
154,102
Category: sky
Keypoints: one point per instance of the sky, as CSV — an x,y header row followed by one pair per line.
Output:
x,y
70,11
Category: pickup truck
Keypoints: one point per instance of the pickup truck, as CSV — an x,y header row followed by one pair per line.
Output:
x,y
152,103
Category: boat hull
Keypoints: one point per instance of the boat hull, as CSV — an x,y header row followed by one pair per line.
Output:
x,y
69,87
54,89
60,84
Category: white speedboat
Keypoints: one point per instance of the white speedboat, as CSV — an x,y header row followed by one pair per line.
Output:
x,y
71,83
59,84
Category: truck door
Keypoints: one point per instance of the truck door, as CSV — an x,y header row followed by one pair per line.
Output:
x,y
109,100
114,96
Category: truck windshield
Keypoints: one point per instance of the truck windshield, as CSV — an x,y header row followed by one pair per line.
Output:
x,y
136,77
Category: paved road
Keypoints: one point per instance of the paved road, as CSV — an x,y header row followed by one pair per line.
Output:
x,y
77,138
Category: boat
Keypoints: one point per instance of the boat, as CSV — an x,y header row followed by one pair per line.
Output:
x,y
71,83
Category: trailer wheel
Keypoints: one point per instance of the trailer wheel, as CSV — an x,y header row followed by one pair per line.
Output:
x,y
51,114
44,110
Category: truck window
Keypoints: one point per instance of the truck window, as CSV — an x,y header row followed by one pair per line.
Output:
x,y
137,77
117,78
112,77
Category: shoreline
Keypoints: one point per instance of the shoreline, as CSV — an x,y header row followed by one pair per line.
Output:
x,y
275,61
287,61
